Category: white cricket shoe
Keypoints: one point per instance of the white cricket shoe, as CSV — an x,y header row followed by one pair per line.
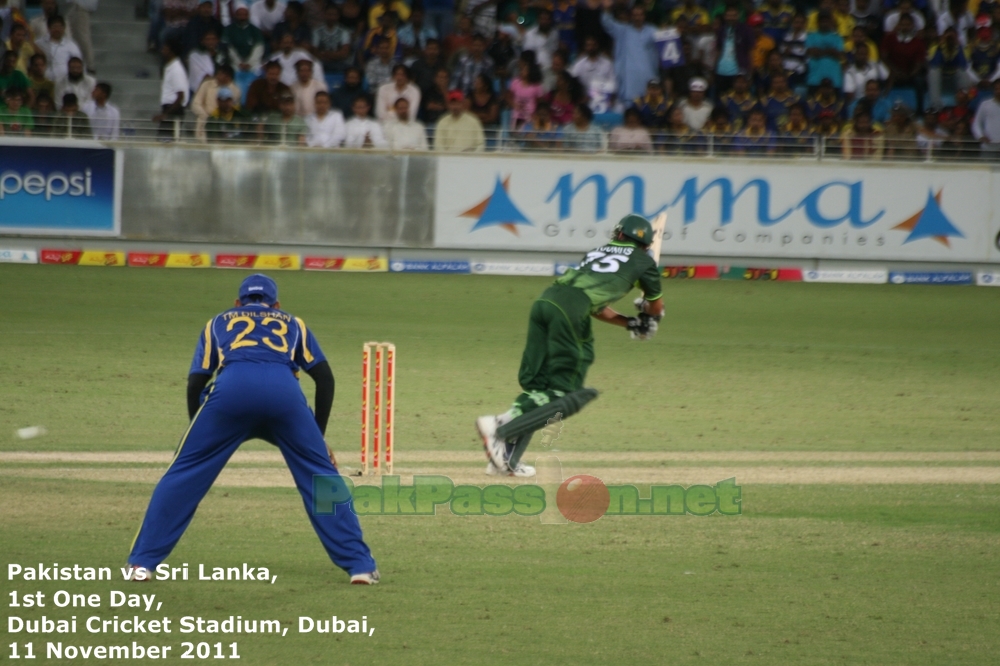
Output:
x,y
495,449
522,471
371,578
491,469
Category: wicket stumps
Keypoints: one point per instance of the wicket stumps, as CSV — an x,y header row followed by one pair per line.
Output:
x,y
378,383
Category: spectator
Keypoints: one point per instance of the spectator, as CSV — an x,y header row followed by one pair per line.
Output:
x,y
362,130
876,103
719,131
176,14
793,51
796,137
961,144
44,113
839,10
588,23
956,16
503,53
389,94
986,125
564,18
104,117
227,124
825,49
16,119
632,136
947,68
265,93
10,76
202,22
459,131
677,137
458,40
21,47
326,126
827,127
378,72
352,19
680,76
904,53
778,101
777,19
564,98
472,64
695,107
265,14
905,7
930,135
434,100
862,139
305,87
72,123
738,102
484,103
430,61
859,36
861,71
653,107
204,101
174,89
826,99
40,24
524,91
441,16
592,65
245,44
557,68
203,61
37,83
541,132
637,59
756,138
76,81
344,96
289,56
762,43
866,16
543,39
960,110
385,32
58,48
698,28
984,54
381,7
415,35
900,132
581,134
401,131
285,128
773,66
733,42
314,11
294,24
332,42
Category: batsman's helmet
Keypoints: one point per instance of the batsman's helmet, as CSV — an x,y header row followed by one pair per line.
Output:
x,y
635,227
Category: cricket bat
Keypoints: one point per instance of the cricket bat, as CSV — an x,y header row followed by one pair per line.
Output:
x,y
659,224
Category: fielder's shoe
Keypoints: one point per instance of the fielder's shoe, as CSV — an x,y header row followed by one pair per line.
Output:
x,y
495,448
370,578
140,574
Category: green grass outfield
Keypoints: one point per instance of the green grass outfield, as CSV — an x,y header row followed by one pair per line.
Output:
x,y
786,386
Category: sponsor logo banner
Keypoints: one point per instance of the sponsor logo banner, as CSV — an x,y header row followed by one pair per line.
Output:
x,y
235,260
60,256
833,211
512,268
188,260
347,264
101,258
988,279
875,276
769,274
691,272
15,256
410,266
278,262
51,188
147,259
943,277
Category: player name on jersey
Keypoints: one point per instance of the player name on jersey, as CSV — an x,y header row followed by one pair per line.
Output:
x,y
352,264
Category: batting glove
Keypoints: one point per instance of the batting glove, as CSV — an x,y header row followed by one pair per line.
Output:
x,y
642,327
640,305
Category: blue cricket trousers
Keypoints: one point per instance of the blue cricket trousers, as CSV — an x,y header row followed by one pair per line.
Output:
x,y
248,401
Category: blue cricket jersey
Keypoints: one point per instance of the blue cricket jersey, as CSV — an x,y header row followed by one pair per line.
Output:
x,y
255,333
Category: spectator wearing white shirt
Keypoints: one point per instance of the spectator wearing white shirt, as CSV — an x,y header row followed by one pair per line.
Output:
x,y
40,24
202,61
265,14
402,132
399,87
905,7
957,16
362,130
174,90
105,119
289,56
592,66
305,88
205,101
76,81
861,71
58,48
696,108
543,39
326,126
986,125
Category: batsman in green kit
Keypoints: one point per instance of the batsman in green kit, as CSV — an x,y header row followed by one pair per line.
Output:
x,y
560,345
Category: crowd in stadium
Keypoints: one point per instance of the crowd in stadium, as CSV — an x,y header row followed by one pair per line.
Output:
x,y
868,79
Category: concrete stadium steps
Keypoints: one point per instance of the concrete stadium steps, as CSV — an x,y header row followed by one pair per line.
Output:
x,y
120,58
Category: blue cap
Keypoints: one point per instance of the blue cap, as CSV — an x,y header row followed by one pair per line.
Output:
x,y
259,284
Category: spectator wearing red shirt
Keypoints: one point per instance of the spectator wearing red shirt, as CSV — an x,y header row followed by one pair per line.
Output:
x,y
905,54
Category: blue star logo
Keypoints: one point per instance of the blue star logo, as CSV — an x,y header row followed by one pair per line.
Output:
x,y
497,210
930,222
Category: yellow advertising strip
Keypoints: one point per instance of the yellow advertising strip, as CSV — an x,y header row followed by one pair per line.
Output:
x,y
188,260
278,262
101,258
366,264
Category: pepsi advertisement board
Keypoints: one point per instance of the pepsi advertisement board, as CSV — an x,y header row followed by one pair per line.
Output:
x,y
67,188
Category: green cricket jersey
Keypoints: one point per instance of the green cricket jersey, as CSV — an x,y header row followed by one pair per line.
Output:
x,y
609,273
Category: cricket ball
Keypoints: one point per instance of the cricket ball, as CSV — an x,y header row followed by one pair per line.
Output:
x,y
583,498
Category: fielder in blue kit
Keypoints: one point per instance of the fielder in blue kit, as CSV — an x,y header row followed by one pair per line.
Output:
x,y
254,351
